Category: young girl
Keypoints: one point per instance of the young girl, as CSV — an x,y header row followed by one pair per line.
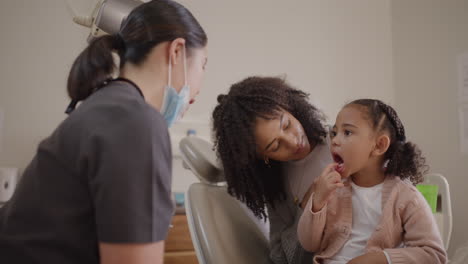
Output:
x,y
375,215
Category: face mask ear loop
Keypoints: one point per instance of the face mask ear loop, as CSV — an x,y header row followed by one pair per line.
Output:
x,y
185,66
170,73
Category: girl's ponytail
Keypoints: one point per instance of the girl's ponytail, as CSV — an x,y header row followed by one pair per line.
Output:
x,y
405,160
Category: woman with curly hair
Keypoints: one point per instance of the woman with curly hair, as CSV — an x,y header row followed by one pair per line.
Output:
x,y
365,208
272,144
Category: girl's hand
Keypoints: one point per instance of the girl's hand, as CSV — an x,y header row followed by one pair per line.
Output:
x,y
327,183
370,258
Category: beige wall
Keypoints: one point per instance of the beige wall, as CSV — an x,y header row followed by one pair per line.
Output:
x,y
336,50
427,37
38,44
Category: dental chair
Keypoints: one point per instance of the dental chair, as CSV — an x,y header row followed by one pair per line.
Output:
x,y
221,228
443,215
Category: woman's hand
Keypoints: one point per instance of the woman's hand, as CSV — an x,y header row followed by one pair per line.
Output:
x,y
327,183
370,258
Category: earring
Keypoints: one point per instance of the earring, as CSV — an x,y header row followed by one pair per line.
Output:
x,y
385,165
267,161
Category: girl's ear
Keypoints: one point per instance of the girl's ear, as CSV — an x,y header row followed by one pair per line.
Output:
x,y
381,145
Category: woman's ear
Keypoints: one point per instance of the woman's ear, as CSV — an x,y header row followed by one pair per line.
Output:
x,y
381,145
176,50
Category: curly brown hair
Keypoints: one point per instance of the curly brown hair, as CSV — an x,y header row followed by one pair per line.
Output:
x,y
248,178
404,158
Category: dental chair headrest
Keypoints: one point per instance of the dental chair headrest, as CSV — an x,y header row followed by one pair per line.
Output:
x,y
200,157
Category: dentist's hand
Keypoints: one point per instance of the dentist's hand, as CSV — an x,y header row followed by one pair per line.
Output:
x,y
327,183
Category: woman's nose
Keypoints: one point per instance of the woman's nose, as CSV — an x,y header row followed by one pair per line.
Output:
x,y
290,140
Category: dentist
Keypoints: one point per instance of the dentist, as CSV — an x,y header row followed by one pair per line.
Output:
x,y
98,189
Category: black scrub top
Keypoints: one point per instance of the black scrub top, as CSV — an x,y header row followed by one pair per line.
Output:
x,y
104,175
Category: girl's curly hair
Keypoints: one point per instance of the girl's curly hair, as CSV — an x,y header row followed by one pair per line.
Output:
x,y
404,158
248,178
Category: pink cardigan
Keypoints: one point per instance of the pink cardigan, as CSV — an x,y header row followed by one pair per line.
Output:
x,y
406,217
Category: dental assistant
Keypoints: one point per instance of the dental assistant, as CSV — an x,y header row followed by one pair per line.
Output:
x,y
99,188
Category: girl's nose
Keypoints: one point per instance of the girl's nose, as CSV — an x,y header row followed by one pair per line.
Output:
x,y
335,141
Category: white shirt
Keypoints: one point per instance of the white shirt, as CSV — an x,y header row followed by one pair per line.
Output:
x,y
367,211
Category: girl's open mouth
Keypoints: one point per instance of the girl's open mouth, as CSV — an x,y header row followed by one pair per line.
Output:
x,y
338,159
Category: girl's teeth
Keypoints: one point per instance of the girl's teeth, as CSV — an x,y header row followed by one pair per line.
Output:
x,y
339,167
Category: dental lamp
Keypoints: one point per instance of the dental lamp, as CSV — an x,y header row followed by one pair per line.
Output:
x,y
106,17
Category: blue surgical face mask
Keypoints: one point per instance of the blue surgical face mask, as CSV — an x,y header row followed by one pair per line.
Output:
x,y
175,103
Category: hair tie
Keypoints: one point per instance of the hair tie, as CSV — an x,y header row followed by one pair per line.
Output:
x,y
119,42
